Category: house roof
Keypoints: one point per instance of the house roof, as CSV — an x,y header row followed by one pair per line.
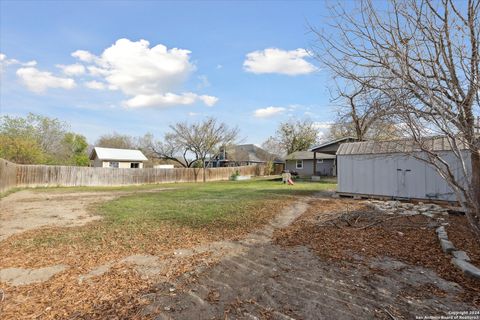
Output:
x,y
395,146
329,143
117,154
251,153
308,155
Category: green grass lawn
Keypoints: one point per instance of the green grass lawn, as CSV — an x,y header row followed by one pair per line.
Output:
x,y
139,220
202,204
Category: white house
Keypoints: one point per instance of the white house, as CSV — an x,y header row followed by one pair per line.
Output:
x,y
117,158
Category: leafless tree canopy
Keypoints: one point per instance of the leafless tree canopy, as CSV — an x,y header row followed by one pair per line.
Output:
x,y
424,57
362,113
191,144
293,135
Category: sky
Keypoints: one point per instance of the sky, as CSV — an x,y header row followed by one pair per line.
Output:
x,y
138,67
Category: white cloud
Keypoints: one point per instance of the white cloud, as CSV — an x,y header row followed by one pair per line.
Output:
x,y
268,112
72,69
210,101
273,60
193,114
5,62
96,71
203,82
95,85
148,76
83,55
167,100
39,81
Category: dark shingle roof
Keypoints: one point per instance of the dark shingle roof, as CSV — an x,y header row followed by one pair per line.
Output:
x,y
308,155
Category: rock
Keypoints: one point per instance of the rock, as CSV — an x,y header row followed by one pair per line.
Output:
x,y
440,229
428,214
461,255
409,213
467,267
408,206
447,246
442,235
401,234
393,203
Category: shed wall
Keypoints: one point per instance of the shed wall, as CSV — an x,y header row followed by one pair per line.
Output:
x,y
397,175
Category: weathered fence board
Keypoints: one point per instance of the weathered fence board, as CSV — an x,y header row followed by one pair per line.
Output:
x,y
8,175
16,175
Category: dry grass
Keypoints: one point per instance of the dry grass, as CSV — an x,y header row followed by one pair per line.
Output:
x,y
118,293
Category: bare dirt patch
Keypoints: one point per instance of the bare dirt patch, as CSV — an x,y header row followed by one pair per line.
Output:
x,y
28,210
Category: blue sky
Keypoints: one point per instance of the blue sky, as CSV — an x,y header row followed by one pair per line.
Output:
x,y
245,63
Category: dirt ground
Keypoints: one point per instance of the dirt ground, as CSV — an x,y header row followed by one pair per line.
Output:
x,y
286,278
319,258
27,210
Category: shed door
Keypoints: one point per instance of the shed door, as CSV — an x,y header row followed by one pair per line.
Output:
x,y
405,180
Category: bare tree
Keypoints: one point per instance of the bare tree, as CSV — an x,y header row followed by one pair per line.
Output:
x,y
191,144
116,140
295,135
362,113
423,56
171,149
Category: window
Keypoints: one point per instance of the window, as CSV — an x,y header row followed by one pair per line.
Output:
x,y
320,161
299,164
135,165
113,164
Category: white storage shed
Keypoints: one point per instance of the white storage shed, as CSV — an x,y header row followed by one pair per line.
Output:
x,y
392,169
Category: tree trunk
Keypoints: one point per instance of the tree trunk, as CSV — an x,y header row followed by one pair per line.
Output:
x,y
475,183
204,171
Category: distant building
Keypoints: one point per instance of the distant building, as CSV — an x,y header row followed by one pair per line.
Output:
x,y
243,155
308,164
164,166
330,147
117,158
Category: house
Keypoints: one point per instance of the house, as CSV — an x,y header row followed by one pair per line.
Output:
x,y
308,163
243,155
117,158
392,169
330,147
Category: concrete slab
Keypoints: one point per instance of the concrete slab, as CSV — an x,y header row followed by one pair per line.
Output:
x,y
21,277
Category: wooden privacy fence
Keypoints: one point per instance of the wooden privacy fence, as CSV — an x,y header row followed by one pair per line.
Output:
x,y
17,175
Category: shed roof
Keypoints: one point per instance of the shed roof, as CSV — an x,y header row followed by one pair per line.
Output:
x,y
395,146
117,154
308,155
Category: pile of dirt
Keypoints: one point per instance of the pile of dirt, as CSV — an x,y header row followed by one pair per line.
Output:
x,y
360,232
